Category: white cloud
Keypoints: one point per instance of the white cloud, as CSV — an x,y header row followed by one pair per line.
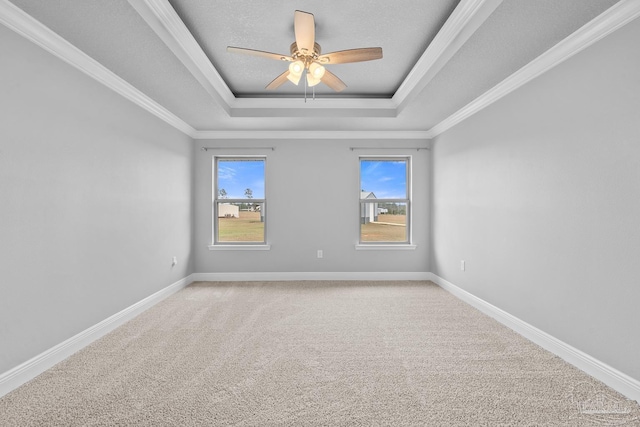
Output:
x,y
226,173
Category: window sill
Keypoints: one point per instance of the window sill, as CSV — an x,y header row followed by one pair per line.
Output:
x,y
383,247
239,247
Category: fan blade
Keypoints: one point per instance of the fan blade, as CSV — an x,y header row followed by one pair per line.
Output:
x,y
333,81
304,27
278,81
351,55
260,53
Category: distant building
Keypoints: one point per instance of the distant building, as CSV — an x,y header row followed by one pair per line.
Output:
x,y
227,210
368,211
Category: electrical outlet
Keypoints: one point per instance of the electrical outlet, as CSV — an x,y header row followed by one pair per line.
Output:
x,y
462,265
320,254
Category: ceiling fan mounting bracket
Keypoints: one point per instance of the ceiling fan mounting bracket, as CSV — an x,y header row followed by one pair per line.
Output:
x,y
303,55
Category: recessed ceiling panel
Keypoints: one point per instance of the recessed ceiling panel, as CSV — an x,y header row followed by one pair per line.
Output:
x,y
516,32
402,29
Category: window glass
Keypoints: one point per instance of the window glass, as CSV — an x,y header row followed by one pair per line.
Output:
x,y
383,222
387,179
241,178
384,200
239,200
240,222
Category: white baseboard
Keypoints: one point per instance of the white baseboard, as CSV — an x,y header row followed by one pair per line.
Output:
x,y
284,276
615,379
28,370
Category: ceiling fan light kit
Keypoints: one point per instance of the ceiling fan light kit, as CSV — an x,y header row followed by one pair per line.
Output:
x,y
306,57
316,70
295,72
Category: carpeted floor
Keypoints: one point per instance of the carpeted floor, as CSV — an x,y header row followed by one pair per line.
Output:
x,y
314,353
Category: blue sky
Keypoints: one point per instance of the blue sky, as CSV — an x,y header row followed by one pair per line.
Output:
x,y
237,175
386,178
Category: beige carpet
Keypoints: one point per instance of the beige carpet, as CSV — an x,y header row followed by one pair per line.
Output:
x,y
314,353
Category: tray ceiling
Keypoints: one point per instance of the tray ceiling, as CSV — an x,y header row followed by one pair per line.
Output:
x,y
268,26
439,56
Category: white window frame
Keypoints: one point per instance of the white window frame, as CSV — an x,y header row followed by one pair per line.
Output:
x,y
406,245
217,245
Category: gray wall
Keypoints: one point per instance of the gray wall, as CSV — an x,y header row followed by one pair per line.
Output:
x,y
95,198
312,203
540,195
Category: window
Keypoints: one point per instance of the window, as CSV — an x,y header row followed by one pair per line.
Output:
x,y
385,203
239,204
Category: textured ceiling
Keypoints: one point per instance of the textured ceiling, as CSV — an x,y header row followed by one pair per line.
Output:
x,y
402,30
517,32
115,34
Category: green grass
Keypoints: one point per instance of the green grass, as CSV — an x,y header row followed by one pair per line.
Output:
x,y
247,228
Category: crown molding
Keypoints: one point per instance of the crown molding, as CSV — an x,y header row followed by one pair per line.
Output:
x,y
22,23
310,134
601,26
319,107
467,17
166,23
163,19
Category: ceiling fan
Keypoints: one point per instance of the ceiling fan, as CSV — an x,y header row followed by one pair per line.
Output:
x,y
306,56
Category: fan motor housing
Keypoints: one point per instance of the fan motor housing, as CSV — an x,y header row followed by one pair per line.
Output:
x,y
295,53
